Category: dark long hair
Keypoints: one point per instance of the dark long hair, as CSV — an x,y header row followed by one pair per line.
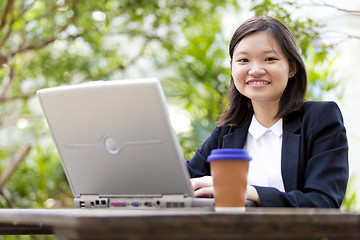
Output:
x,y
240,107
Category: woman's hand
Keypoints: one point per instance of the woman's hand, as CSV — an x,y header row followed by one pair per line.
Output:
x,y
203,187
252,194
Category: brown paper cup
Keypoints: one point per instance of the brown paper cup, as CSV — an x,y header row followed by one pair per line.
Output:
x,y
229,169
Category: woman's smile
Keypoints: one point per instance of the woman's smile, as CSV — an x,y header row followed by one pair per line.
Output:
x,y
257,82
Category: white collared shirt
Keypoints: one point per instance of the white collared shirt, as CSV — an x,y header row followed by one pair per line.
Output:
x,y
264,146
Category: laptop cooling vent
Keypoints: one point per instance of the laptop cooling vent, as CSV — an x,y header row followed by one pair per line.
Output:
x,y
175,205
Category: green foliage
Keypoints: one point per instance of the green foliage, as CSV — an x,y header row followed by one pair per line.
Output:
x,y
27,237
350,200
45,43
323,77
39,182
202,78
43,180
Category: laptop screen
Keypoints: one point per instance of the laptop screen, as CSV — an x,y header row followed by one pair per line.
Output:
x,y
115,138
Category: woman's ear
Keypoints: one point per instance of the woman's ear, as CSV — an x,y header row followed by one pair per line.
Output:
x,y
292,70
291,74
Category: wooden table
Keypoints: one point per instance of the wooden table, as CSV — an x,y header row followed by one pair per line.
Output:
x,y
255,223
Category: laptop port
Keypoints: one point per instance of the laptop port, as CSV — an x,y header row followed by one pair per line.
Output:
x,y
118,204
82,204
148,204
135,204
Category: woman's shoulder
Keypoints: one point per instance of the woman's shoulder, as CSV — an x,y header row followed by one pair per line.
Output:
x,y
319,104
311,107
322,109
312,111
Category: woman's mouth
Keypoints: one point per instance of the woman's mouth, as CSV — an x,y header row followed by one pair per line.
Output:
x,y
257,82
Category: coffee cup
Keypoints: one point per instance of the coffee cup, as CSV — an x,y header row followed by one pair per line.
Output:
x,y
229,169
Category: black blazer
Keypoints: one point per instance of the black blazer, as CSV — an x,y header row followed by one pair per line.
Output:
x,y
314,158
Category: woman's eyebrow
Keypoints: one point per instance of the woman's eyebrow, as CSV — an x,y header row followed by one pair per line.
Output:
x,y
277,52
241,53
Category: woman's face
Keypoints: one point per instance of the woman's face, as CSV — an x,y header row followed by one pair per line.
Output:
x,y
259,68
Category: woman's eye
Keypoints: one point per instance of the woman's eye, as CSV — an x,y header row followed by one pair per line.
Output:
x,y
242,60
270,59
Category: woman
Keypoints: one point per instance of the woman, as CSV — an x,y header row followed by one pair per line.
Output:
x,y
299,148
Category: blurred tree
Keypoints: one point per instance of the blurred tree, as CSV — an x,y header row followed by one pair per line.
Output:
x,y
46,43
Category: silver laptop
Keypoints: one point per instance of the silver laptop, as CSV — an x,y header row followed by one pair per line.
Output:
x,y
117,145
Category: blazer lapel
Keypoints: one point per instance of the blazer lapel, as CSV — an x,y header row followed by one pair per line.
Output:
x,y
290,153
237,138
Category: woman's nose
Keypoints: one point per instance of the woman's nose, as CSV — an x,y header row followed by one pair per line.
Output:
x,y
256,70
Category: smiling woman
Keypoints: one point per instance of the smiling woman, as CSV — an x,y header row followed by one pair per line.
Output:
x,y
265,40
299,148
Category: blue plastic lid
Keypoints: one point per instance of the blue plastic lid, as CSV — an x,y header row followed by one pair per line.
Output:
x,y
228,153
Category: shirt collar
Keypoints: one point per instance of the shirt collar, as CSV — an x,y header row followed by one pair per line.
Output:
x,y
257,130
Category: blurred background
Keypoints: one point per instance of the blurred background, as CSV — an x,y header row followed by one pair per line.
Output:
x,y
47,43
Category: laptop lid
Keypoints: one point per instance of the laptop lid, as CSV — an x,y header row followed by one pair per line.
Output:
x,y
115,138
